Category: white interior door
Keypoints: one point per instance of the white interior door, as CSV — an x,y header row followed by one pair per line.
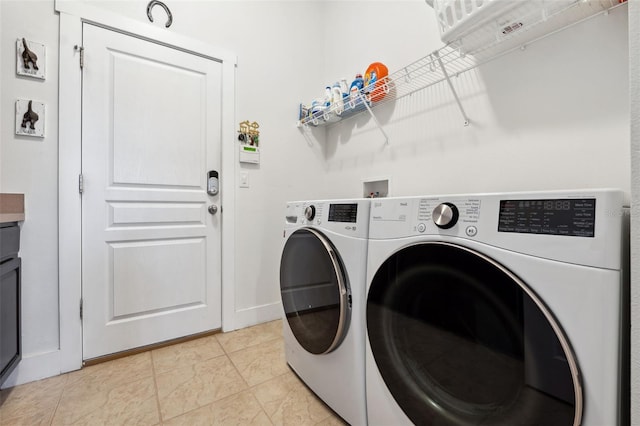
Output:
x,y
151,121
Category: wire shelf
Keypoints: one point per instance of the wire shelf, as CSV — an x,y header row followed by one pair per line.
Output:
x,y
427,71
513,30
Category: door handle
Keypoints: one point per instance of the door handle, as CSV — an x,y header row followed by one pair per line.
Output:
x,y
213,209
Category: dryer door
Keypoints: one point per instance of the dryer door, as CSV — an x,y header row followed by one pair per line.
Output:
x,y
460,340
313,286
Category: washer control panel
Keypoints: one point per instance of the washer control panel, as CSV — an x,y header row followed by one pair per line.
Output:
x,y
348,217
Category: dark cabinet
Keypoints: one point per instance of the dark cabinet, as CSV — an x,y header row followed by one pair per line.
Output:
x,y
10,282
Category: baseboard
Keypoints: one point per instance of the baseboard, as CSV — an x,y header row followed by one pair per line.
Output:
x,y
34,367
257,315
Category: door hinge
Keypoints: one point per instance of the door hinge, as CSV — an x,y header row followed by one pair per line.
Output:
x,y
81,50
81,308
80,183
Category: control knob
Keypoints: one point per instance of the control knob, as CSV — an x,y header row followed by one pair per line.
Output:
x,y
445,215
310,212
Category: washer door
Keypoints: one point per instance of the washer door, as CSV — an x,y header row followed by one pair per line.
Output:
x,y
314,293
460,340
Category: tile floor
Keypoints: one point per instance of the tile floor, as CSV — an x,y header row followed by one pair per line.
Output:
x,y
236,378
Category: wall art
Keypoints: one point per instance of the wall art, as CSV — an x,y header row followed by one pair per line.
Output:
x,y
30,59
29,118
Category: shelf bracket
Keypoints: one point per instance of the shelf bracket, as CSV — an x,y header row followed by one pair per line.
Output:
x,y
373,116
453,90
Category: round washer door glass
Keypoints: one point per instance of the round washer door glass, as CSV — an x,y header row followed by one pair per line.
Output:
x,y
460,340
313,290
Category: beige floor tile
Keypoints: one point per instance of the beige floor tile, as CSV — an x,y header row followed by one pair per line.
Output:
x,y
90,403
261,362
334,420
113,373
185,354
288,401
195,383
183,389
250,336
31,404
240,409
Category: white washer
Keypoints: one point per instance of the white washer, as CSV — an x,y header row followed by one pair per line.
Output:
x,y
322,284
498,309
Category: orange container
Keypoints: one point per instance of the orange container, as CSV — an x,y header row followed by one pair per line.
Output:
x,y
375,80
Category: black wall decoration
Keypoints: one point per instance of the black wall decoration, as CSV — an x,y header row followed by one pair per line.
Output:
x,y
30,59
29,118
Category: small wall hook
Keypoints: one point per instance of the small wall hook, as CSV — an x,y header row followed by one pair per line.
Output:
x,y
150,6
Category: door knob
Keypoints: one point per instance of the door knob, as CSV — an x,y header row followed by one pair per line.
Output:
x,y
213,209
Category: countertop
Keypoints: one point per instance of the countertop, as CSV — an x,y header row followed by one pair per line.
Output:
x,y
11,207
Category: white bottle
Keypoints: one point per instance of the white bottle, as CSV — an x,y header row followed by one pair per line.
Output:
x,y
344,86
327,96
337,104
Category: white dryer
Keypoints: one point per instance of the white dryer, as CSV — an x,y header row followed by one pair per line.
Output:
x,y
498,309
322,284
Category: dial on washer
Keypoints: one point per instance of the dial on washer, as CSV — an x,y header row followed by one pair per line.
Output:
x,y
445,215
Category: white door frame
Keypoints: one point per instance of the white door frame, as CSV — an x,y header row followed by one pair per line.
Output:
x,y
72,16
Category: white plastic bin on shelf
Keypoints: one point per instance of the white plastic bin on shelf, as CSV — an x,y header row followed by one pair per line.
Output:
x,y
491,19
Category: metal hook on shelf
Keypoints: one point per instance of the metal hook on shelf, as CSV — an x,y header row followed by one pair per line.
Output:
x,y
153,3
407,76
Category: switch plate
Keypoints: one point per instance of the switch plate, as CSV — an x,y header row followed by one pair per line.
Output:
x,y
244,179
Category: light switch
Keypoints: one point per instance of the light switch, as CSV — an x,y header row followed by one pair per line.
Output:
x,y
244,179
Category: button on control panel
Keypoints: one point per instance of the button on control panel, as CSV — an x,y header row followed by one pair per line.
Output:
x,y
422,227
471,231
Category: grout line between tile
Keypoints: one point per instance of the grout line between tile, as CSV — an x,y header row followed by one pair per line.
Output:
x,y
155,384
64,389
250,346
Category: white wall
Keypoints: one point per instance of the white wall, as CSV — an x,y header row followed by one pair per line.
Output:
x,y
30,166
634,91
553,116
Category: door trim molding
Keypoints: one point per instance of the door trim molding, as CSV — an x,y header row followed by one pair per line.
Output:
x,y
73,15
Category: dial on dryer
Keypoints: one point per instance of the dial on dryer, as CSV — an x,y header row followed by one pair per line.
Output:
x,y
310,212
445,215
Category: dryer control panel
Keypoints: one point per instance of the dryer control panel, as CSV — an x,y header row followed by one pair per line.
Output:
x,y
581,226
427,215
553,216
